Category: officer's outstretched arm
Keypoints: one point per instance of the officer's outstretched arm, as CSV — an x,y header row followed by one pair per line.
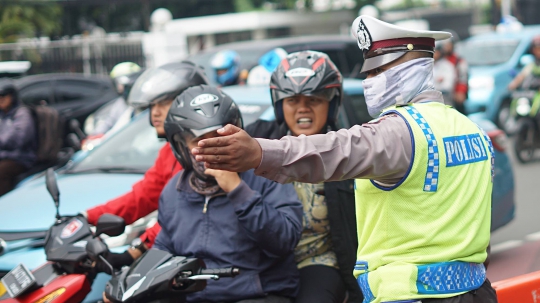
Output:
x,y
379,150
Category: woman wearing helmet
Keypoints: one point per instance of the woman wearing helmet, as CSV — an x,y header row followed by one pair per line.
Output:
x,y
227,219
306,90
18,141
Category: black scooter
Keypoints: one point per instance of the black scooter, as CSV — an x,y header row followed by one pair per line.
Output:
x,y
158,276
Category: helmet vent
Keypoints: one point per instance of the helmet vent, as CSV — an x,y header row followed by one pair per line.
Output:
x,y
178,118
200,112
216,108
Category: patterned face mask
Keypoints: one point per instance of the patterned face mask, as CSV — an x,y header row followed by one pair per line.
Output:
x,y
398,85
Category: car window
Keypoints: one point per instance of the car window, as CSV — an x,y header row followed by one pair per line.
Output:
x,y
75,90
134,148
355,106
481,52
38,93
355,60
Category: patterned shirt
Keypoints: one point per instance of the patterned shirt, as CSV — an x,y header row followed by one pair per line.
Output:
x,y
315,246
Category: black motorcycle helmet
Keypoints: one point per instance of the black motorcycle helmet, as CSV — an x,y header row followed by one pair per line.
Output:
x,y
307,73
198,111
164,82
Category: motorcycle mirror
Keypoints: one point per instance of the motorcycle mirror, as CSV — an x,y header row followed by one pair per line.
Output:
x,y
110,225
52,187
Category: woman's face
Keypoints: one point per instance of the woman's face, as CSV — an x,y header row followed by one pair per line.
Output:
x,y
305,115
5,102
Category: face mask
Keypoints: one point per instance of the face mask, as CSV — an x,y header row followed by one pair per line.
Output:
x,y
398,85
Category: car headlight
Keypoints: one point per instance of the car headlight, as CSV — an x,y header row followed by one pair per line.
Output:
x,y
481,83
523,106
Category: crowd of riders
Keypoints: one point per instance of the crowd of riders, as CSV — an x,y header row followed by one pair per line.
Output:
x,y
299,239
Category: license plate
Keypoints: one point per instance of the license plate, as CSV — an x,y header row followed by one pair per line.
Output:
x,y
18,280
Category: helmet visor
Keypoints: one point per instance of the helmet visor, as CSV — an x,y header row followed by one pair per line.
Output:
x,y
156,84
326,94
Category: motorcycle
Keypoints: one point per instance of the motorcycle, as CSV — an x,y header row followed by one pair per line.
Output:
x,y
524,108
69,272
158,276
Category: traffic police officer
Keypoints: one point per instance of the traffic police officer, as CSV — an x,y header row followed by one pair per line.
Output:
x,y
424,174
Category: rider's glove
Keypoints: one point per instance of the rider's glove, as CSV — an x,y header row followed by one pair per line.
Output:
x,y
116,260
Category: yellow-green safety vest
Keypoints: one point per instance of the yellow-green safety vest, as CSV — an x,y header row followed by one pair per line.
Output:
x,y
426,236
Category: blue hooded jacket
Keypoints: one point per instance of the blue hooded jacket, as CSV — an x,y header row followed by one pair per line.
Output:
x,y
18,139
255,227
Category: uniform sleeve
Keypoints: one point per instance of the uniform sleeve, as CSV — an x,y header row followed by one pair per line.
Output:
x,y
144,196
21,132
272,218
379,150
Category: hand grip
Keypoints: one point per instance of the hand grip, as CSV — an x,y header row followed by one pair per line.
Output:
x,y
221,272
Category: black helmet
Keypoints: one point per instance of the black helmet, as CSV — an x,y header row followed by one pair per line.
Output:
x,y
165,82
307,73
198,111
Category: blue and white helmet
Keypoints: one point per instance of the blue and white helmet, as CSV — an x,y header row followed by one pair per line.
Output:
x,y
226,65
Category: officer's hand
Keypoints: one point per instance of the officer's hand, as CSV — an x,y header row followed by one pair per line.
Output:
x,y
227,180
115,259
234,151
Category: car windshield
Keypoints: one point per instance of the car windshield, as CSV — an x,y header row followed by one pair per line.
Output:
x,y
132,150
481,52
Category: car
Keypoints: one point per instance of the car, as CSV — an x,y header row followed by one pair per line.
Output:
x,y
494,60
75,96
342,50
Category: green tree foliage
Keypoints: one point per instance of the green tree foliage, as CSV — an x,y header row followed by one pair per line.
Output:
x,y
28,20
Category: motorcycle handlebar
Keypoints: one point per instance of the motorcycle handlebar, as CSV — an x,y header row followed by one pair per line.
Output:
x,y
221,272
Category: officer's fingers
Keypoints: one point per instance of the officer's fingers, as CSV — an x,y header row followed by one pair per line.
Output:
x,y
221,159
214,142
229,129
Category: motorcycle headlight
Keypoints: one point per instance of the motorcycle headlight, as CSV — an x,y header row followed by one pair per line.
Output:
x,y
481,83
523,106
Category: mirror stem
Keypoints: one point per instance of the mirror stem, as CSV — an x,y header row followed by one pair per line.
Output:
x,y
108,265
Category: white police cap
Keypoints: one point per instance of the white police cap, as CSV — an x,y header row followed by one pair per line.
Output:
x,y
383,42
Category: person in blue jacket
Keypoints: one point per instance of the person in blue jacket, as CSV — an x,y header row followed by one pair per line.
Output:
x,y
227,219
18,141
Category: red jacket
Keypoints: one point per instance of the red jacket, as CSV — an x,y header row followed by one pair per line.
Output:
x,y
144,196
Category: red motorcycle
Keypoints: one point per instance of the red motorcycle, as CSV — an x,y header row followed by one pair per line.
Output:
x,y
69,272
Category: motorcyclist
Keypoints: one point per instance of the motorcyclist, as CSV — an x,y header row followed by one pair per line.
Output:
x,y
155,89
226,66
326,252
261,74
444,74
123,75
18,139
227,219
531,72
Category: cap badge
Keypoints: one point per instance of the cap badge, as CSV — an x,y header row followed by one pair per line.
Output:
x,y
364,37
410,46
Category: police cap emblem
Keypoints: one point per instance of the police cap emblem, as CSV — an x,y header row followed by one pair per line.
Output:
x,y
364,37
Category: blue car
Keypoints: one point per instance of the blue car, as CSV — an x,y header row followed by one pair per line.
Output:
x,y
494,60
